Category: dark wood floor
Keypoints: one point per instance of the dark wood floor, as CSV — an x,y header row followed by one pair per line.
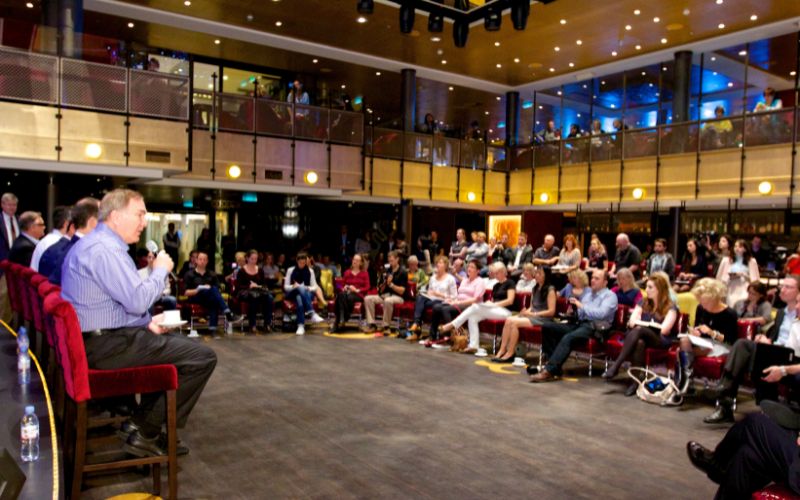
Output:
x,y
322,417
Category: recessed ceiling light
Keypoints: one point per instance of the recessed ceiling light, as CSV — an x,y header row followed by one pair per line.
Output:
x,y
663,40
714,73
130,25
563,21
344,86
720,2
644,73
638,47
613,105
217,41
637,12
721,26
650,84
603,82
730,84
187,3
571,65
516,59
792,73
315,61
498,98
211,85
361,20
499,65
579,42
486,112
29,5
552,70
444,61
754,17
742,52
614,53
450,89
656,19
713,58
628,27
278,24
377,73
496,44
435,39
556,48
559,92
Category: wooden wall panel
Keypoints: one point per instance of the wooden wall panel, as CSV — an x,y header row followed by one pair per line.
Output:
x,y
495,188
771,163
471,182
519,187
234,149
346,167
79,128
311,157
159,136
605,181
28,131
416,180
275,156
545,180
719,174
639,173
676,178
445,180
386,178
574,179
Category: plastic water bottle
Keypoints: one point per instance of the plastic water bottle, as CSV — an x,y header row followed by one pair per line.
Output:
x,y
29,435
22,339
24,366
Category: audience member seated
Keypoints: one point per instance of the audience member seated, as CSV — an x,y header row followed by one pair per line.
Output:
x,y
479,250
202,287
272,275
792,265
391,289
712,319
441,288
355,285
167,301
470,291
755,308
627,256
769,102
595,310
661,260
518,256
738,272
458,271
251,289
490,277
499,307
597,255
188,265
61,231
31,226
547,254
628,294
458,250
541,311
578,282
527,281
755,452
719,133
740,360
497,249
239,259
415,274
693,266
569,259
300,285
84,220
650,326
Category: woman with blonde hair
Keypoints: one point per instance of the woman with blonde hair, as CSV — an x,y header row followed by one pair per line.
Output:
x,y
714,321
597,255
527,281
657,308
578,282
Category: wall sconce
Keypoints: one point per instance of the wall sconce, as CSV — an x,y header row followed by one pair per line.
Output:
x,y
311,177
93,150
765,188
544,197
471,196
234,171
638,193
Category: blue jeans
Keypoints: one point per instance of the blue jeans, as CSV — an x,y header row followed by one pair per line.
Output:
x,y
212,300
420,306
303,300
558,340
168,302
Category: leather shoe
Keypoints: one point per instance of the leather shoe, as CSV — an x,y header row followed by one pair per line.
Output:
x,y
608,374
142,447
723,413
543,376
180,449
503,360
703,458
631,390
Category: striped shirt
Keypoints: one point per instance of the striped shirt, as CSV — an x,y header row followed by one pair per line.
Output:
x,y
101,281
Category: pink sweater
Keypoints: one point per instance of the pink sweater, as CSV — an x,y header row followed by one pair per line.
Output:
x,y
471,289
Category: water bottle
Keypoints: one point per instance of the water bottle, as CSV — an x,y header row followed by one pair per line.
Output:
x,y
24,366
22,339
29,434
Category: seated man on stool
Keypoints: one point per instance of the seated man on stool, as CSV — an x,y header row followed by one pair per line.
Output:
x,y
597,304
740,359
202,287
111,301
391,289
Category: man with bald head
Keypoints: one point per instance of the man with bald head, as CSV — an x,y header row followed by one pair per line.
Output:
x,y
547,254
627,256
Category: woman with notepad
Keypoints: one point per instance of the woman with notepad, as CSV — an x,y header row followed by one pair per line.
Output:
x,y
714,330
441,287
650,326
738,271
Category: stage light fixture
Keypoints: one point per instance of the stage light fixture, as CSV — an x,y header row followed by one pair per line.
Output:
x,y
520,9
406,18
436,20
493,18
366,6
460,33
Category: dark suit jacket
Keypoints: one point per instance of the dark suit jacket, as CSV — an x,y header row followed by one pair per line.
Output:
x,y
22,251
772,333
511,255
53,257
5,245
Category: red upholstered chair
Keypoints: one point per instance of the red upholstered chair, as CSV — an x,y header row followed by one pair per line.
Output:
x,y
83,385
402,312
494,327
12,271
532,335
775,492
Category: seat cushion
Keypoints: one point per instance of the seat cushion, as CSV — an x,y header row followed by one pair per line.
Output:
x,y
140,379
775,492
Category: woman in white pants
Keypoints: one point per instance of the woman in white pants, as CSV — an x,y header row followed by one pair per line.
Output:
x,y
498,308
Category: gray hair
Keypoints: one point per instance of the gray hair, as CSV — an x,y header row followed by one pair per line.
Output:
x,y
117,199
27,219
499,266
413,259
9,197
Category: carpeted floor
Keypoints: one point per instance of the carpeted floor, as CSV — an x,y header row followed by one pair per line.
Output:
x,y
325,417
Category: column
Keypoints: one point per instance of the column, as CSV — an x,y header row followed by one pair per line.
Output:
x,y
64,20
406,214
408,86
512,119
682,81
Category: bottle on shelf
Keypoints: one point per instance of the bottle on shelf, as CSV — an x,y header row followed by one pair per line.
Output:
x,y
29,436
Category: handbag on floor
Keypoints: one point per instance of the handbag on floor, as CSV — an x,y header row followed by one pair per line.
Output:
x,y
654,388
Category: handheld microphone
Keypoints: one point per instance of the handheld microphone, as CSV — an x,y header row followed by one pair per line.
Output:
x,y
152,246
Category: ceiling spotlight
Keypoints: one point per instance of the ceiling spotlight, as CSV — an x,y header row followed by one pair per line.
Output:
x,y
130,25
552,70
29,5
721,26
516,59
742,52
628,27
278,24
406,18
754,17
444,61
544,197
792,73
217,41
493,19
365,6
571,65
614,53
663,40
720,2
520,10
638,47
377,73
435,39
187,3
315,61
361,20
496,44
563,21
637,12
499,65
579,42
556,48
436,20
460,33
450,89
656,19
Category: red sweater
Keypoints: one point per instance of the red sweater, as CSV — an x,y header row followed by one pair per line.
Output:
x,y
359,281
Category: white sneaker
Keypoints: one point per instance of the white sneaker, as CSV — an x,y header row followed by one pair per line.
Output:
x,y
316,318
301,330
